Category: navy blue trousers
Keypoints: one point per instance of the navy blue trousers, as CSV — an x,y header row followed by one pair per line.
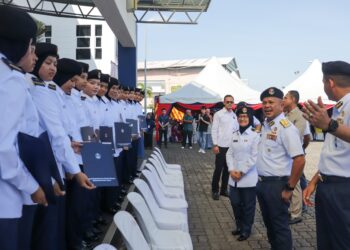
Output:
x,y
26,226
49,226
275,214
9,234
333,216
243,202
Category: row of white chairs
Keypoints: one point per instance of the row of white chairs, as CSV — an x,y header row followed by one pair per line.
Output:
x,y
160,207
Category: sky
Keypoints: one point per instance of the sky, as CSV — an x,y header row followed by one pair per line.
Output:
x,y
270,39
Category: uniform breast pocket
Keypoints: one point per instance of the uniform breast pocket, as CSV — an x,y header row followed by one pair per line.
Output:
x,y
270,145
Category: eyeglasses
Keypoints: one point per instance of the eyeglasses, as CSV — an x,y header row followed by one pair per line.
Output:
x,y
229,102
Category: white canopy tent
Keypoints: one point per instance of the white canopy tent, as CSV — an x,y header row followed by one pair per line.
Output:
x,y
309,84
216,78
192,92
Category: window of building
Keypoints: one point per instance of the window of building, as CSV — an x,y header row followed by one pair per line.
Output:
x,y
98,53
83,42
83,54
98,41
48,31
98,30
47,40
83,30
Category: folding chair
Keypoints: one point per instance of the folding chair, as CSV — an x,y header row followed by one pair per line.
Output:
x,y
158,238
173,166
156,160
131,232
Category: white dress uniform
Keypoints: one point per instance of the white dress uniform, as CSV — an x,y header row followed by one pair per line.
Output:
x,y
14,176
51,107
280,142
103,109
241,156
91,105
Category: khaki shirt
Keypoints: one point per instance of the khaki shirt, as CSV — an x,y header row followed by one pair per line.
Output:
x,y
295,116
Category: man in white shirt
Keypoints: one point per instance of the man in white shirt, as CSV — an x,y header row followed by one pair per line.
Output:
x,y
224,124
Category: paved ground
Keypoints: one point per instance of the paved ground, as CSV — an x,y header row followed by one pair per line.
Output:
x,y
211,221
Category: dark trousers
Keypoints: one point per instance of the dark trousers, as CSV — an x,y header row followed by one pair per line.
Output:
x,y
163,133
26,226
49,226
148,140
220,167
187,134
132,158
333,215
124,167
275,214
9,234
243,201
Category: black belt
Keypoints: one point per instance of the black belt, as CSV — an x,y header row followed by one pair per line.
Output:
x,y
273,178
333,179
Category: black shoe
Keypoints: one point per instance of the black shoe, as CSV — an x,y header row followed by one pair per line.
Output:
x,y
242,237
295,220
215,196
236,232
224,193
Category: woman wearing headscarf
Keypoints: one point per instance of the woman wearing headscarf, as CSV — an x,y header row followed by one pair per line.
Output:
x,y
241,159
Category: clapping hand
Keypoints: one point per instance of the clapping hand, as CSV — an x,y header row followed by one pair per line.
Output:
x,y
316,114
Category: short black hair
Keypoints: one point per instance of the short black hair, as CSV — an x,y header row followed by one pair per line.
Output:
x,y
295,95
203,107
228,96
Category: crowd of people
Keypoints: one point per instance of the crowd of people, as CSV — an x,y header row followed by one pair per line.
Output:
x,y
267,165
41,92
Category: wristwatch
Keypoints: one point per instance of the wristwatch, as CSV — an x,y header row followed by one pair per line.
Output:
x,y
287,187
332,126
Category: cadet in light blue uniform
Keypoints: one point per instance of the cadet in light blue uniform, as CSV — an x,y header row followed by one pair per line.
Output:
x,y
280,164
17,32
241,159
333,179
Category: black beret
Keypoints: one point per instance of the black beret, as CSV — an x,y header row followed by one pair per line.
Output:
x,y
66,69
271,92
44,50
94,74
137,90
142,92
241,104
105,78
85,67
336,68
244,110
16,24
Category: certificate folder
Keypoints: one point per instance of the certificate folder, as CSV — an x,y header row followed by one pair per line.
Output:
x,y
133,124
143,123
33,153
99,165
88,134
122,134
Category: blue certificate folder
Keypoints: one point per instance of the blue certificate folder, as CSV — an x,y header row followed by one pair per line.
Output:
x,y
99,165
35,155
143,123
122,134
88,134
133,125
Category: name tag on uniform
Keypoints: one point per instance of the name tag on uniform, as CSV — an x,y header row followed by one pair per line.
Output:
x,y
271,136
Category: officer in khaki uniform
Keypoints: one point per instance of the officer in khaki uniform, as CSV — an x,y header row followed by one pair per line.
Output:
x,y
280,164
333,179
295,116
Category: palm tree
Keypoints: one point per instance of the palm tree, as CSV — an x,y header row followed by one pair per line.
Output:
x,y
41,28
148,89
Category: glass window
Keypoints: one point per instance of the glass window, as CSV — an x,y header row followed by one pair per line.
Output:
x,y
83,30
98,30
48,31
83,54
98,53
98,41
48,40
83,42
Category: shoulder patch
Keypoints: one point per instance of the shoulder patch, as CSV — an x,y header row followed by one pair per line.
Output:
x,y
51,86
285,123
12,66
271,123
83,98
38,82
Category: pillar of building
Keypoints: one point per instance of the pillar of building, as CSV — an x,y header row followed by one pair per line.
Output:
x,y
127,65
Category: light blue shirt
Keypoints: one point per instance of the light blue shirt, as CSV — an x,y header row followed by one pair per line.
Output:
x,y
335,153
279,144
51,107
241,156
14,176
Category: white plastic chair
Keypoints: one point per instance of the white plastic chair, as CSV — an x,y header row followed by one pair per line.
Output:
x,y
168,180
155,182
130,230
104,246
155,158
165,219
157,238
173,166
172,204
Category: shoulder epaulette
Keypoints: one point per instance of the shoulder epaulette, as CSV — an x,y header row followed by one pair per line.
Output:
x,y
271,123
285,123
339,104
51,86
83,98
12,66
38,82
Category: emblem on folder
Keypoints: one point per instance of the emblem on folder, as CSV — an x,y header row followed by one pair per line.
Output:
x,y
97,156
